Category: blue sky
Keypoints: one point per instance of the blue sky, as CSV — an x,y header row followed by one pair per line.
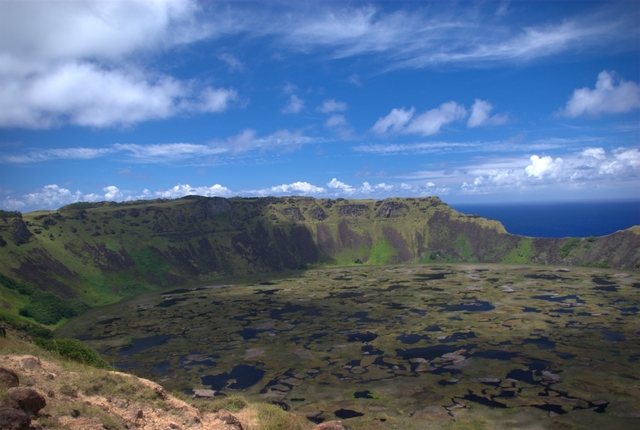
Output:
x,y
469,101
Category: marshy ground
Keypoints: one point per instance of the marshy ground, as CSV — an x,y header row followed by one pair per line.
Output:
x,y
483,346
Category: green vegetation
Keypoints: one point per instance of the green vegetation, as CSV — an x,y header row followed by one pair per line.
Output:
x,y
34,330
148,261
566,247
75,350
272,417
231,403
10,214
602,264
381,253
520,255
463,247
44,306
110,251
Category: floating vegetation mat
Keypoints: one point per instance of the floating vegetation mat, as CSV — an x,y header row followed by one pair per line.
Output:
x,y
413,346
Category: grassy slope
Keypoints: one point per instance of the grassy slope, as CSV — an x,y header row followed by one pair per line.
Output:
x,y
102,253
81,396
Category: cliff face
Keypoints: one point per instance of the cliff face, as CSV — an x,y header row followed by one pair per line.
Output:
x,y
100,252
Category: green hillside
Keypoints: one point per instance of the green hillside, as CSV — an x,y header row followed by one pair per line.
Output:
x,y
55,264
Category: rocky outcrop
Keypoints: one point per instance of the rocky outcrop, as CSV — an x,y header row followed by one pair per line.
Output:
x,y
318,214
391,209
21,233
352,210
212,206
293,213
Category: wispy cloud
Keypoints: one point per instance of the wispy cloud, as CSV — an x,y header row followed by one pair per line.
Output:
x,y
441,147
232,61
438,35
162,153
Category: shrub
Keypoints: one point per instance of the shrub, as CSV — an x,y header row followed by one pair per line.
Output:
x,y
272,417
9,214
566,247
229,403
74,350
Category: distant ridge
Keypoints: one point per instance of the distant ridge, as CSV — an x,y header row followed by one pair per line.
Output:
x,y
98,253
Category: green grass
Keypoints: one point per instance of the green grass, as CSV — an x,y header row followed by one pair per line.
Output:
x,y
381,253
566,247
463,247
520,255
148,261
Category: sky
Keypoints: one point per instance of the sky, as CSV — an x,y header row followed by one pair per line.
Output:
x,y
474,102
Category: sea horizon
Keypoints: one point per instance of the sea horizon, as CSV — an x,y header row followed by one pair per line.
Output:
x,y
559,219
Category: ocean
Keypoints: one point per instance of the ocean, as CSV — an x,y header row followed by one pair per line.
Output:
x,y
577,219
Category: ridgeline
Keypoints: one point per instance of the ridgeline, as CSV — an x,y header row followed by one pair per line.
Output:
x,y
56,264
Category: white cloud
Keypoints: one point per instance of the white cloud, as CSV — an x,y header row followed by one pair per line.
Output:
x,y
337,185
480,115
112,193
445,34
216,100
432,121
77,63
295,188
245,141
87,95
332,105
233,62
606,98
545,166
294,105
590,168
180,190
53,196
336,121
167,152
396,120
425,124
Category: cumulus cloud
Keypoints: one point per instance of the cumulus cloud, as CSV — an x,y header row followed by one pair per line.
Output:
x,y
432,121
337,185
396,120
295,188
481,115
545,166
294,105
591,167
425,124
332,105
180,190
610,96
75,63
53,196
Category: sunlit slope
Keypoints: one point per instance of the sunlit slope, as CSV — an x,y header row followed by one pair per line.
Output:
x,y
101,252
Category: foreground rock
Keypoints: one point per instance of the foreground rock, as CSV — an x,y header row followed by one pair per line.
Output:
x,y
12,419
28,399
330,425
